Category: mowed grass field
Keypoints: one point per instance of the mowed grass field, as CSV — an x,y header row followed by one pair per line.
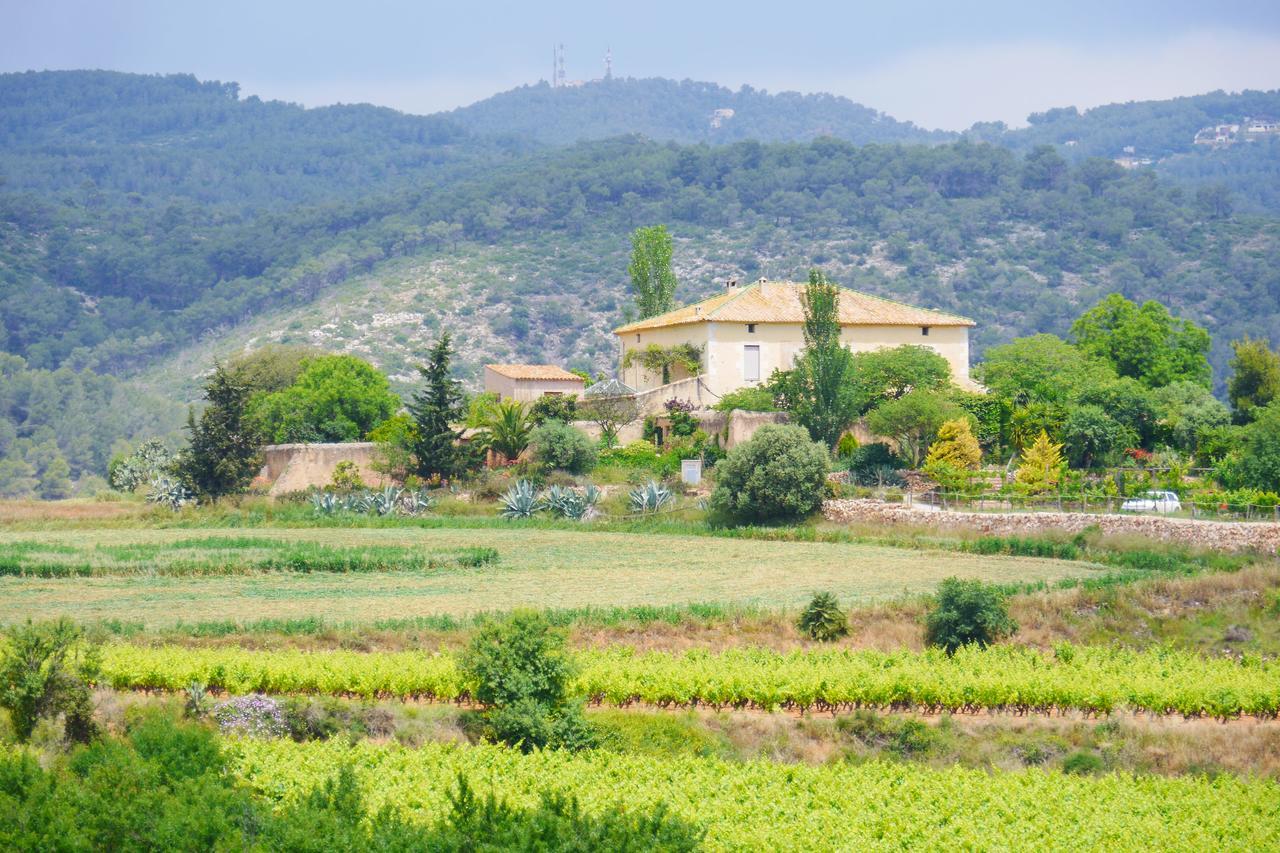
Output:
x,y
538,568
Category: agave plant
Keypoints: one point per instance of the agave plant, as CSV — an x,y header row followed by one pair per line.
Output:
x,y
169,492
386,501
361,502
570,503
650,497
327,503
520,501
416,502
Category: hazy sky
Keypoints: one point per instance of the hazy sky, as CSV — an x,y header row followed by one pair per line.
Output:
x,y
943,64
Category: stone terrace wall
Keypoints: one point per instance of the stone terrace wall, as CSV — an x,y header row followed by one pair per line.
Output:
x,y
296,467
1258,536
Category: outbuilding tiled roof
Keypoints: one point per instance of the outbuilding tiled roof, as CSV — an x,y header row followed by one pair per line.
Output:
x,y
780,302
534,371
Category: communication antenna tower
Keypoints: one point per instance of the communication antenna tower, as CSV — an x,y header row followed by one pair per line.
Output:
x,y
561,77
608,63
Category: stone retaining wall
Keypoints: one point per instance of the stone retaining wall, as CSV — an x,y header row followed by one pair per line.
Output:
x,y
1261,536
297,467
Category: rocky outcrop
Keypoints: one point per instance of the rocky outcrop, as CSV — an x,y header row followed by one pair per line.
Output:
x,y
1260,536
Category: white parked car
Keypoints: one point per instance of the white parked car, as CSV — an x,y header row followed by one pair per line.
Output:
x,y
1153,502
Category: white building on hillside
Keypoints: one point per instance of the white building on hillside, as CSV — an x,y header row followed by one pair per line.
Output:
x,y
747,332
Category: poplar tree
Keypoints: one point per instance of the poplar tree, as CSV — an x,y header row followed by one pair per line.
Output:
x,y
819,394
651,277
435,409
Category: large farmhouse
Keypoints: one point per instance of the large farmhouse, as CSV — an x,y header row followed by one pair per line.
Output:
x,y
746,332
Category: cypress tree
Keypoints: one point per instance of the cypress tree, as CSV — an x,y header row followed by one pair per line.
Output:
x,y
822,399
223,455
435,409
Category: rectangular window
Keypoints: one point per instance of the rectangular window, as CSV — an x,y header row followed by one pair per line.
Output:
x,y
751,328
924,330
751,363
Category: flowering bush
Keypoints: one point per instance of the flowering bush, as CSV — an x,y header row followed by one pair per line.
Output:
x,y
254,715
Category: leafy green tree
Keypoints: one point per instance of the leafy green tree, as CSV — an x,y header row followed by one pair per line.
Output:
x,y
1091,436
46,669
554,407
273,367
1044,169
435,409
778,475
748,400
1129,403
1260,451
334,398
1144,342
1040,369
913,421
519,669
887,374
967,612
818,392
1184,411
650,269
557,445
222,455
1255,377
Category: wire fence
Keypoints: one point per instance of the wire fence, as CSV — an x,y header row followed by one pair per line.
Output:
x,y
1097,505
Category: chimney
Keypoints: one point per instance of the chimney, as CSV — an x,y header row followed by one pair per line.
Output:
x,y
732,283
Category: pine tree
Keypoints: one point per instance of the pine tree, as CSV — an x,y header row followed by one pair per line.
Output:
x,y
1041,467
650,270
435,409
222,457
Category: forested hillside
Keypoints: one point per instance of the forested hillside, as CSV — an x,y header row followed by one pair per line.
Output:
x,y
145,218
680,111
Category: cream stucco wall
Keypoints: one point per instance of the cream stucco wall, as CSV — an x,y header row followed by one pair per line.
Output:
x,y
527,390
724,356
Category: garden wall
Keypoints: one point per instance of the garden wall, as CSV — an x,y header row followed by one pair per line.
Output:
x,y
1261,536
297,467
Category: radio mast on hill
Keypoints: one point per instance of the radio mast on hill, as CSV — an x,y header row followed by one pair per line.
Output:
x,y
608,63
558,76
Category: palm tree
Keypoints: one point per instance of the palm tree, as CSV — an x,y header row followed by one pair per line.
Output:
x,y
508,425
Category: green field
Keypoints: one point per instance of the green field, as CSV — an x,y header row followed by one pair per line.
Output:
x,y
417,572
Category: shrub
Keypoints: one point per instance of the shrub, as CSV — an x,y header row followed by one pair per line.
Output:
x,y
182,752
1042,464
1082,763
520,670
955,446
779,475
149,461
967,612
346,477
873,464
46,670
255,715
559,445
823,619
747,400
846,446
554,407
637,454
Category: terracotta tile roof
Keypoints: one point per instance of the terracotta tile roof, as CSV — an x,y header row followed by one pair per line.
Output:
x,y
779,302
533,371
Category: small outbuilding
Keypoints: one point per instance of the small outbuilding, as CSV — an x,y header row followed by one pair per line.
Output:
x,y
528,382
